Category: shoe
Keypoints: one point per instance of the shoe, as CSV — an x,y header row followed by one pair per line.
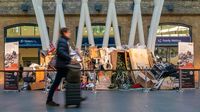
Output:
x,y
52,103
83,98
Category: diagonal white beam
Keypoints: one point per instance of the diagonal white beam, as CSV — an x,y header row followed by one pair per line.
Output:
x,y
56,28
44,26
134,23
112,19
140,27
61,13
59,21
88,24
108,26
154,24
153,21
37,4
136,20
80,28
84,19
116,28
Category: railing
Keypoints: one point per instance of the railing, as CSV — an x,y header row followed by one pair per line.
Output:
x,y
132,70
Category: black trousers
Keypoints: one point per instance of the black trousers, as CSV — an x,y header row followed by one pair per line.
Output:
x,y
61,73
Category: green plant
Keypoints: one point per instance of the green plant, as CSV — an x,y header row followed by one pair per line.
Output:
x,y
120,77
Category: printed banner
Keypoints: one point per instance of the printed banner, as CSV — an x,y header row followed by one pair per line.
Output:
x,y
11,56
11,81
186,60
11,63
185,54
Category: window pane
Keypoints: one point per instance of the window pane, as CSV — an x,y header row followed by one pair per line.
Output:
x,y
174,55
27,31
172,31
98,31
112,32
85,33
162,53
13,32
37,32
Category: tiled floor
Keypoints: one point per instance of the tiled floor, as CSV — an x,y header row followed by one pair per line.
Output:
x,y
105,101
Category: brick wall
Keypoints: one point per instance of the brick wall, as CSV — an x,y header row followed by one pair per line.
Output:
x,y
13,7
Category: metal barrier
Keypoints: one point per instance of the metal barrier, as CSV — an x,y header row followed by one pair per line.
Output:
x,y
145,70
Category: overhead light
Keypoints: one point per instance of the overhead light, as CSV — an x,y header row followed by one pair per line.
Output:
x,y
98,7
170,7
25,7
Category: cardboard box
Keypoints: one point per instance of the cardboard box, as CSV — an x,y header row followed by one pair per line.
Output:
x,y
114,59
127,60
139,57
40,76
37,85
94,52
141,80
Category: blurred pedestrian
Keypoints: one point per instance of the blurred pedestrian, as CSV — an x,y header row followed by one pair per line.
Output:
x,y
62,60
21,69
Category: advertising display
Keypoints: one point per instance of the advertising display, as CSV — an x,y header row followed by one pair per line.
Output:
x,y
11,64
186,60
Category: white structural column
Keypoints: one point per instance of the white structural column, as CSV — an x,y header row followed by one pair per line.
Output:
x,y
80,29
140,27
84,19
108,26
112,19
37,4
88,24
56,28
154,24
136,20
59,21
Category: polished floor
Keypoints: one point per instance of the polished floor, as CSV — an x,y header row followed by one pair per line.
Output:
x,y
105,101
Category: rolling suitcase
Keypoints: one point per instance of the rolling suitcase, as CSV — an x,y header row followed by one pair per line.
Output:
x,y
73,94
73,88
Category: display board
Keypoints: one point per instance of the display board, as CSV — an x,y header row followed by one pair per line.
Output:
x,y
186,60
11,81
188,79
11,63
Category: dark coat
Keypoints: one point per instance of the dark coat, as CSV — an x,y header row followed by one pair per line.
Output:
x,y
63,58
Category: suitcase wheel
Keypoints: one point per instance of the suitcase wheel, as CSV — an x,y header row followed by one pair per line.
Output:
x,y
78,106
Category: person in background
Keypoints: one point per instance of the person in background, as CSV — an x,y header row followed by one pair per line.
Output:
x,y
21,69
62,60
